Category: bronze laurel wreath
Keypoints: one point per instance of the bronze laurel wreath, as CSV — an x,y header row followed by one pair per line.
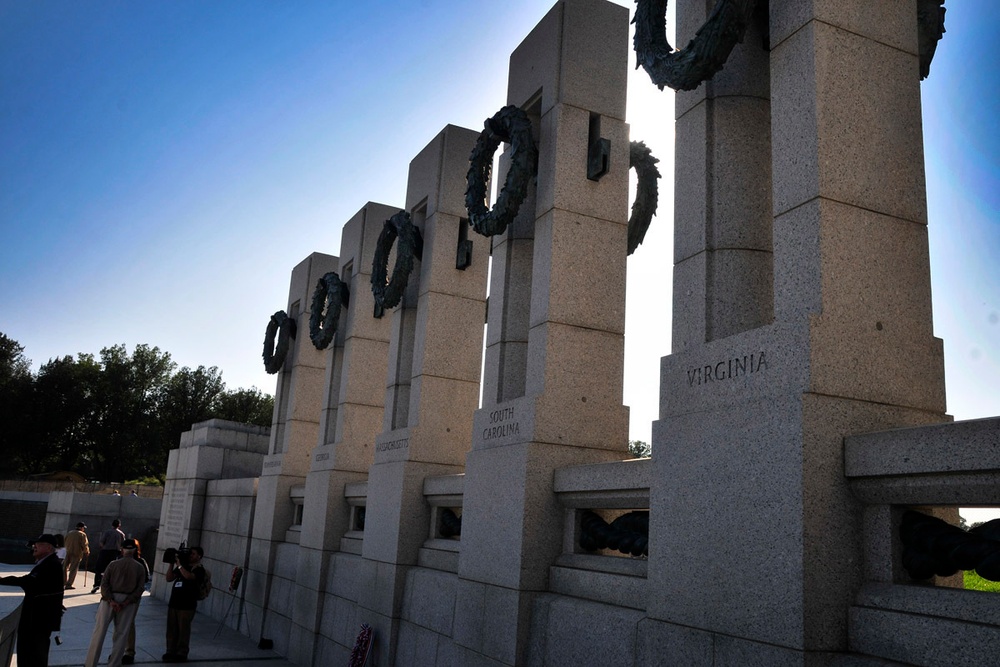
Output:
x,y
401,227
641,159
330,295
510,125
702,58
282,326
628,534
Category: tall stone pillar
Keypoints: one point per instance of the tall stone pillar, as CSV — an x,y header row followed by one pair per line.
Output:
x,y
750,437
555,344
294,431
432,390
351,416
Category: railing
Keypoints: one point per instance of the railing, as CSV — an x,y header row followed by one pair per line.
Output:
x,y
444,494
356,495
935,469
607,490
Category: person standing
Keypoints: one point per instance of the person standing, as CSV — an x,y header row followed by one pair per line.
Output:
x,y
110,544
77,548
129,657
41,611
121,590
187,578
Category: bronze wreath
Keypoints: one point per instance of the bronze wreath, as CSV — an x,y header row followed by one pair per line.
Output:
x,y
702,58
930,30
510,125
330,295
274,356
641,159
388,294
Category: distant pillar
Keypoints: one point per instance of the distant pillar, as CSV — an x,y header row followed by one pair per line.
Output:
x,y
432,390
555,343
351,416
294,432
755,540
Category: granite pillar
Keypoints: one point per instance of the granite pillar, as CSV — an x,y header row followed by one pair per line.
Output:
x,y
555,341
750,436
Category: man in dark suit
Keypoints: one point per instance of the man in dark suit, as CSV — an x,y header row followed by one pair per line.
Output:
x,y
41,611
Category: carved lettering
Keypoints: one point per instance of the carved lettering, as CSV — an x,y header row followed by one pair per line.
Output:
x,y
402,443
501,431
325,456
727,369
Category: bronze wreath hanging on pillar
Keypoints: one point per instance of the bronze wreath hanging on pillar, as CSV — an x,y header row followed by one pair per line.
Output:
x,y
641,159
411,244
510,125
284,327
330,295
704,55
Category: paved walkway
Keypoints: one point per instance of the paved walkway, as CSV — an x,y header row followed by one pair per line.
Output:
x,y
207,648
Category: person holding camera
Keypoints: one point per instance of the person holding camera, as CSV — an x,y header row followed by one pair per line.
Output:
x,y
187,574
121,590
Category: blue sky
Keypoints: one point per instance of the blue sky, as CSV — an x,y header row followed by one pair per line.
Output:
x,y
164,165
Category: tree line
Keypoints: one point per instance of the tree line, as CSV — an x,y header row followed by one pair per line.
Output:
x,y
112,417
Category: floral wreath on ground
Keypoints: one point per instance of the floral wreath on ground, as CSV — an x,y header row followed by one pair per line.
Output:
x,y
330,295
282,326
389,291
511,125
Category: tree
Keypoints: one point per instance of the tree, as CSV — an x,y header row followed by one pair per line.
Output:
x,y
187,397
126,424
639,449
110,418
15,404
250,406
65,397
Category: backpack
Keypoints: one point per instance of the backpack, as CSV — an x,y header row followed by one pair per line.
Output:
x,y
205,587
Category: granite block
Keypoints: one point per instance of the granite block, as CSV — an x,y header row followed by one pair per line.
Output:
x,y
892,23
449,336
566,287
430,600
566,186
578,55
609,639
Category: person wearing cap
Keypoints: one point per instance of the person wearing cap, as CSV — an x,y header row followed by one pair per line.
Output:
x,y
110,544
77,548
121,590
41,611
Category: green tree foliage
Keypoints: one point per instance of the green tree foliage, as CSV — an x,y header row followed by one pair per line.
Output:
x,y
111,417
639,449
15,400
250,406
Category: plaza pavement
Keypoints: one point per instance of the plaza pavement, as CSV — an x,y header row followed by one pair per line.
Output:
x,y
229,647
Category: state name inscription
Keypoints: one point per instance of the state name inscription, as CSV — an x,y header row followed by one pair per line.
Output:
x,y
402,443
502,424
727,369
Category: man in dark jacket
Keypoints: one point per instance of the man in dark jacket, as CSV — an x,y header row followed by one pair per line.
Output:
x,y
41,611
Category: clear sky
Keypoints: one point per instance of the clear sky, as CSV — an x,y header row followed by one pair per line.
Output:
x,y
164,164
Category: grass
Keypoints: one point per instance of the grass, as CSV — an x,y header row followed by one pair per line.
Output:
x,y
976,583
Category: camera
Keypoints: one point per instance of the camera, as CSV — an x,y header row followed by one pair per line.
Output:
x,y
182,552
